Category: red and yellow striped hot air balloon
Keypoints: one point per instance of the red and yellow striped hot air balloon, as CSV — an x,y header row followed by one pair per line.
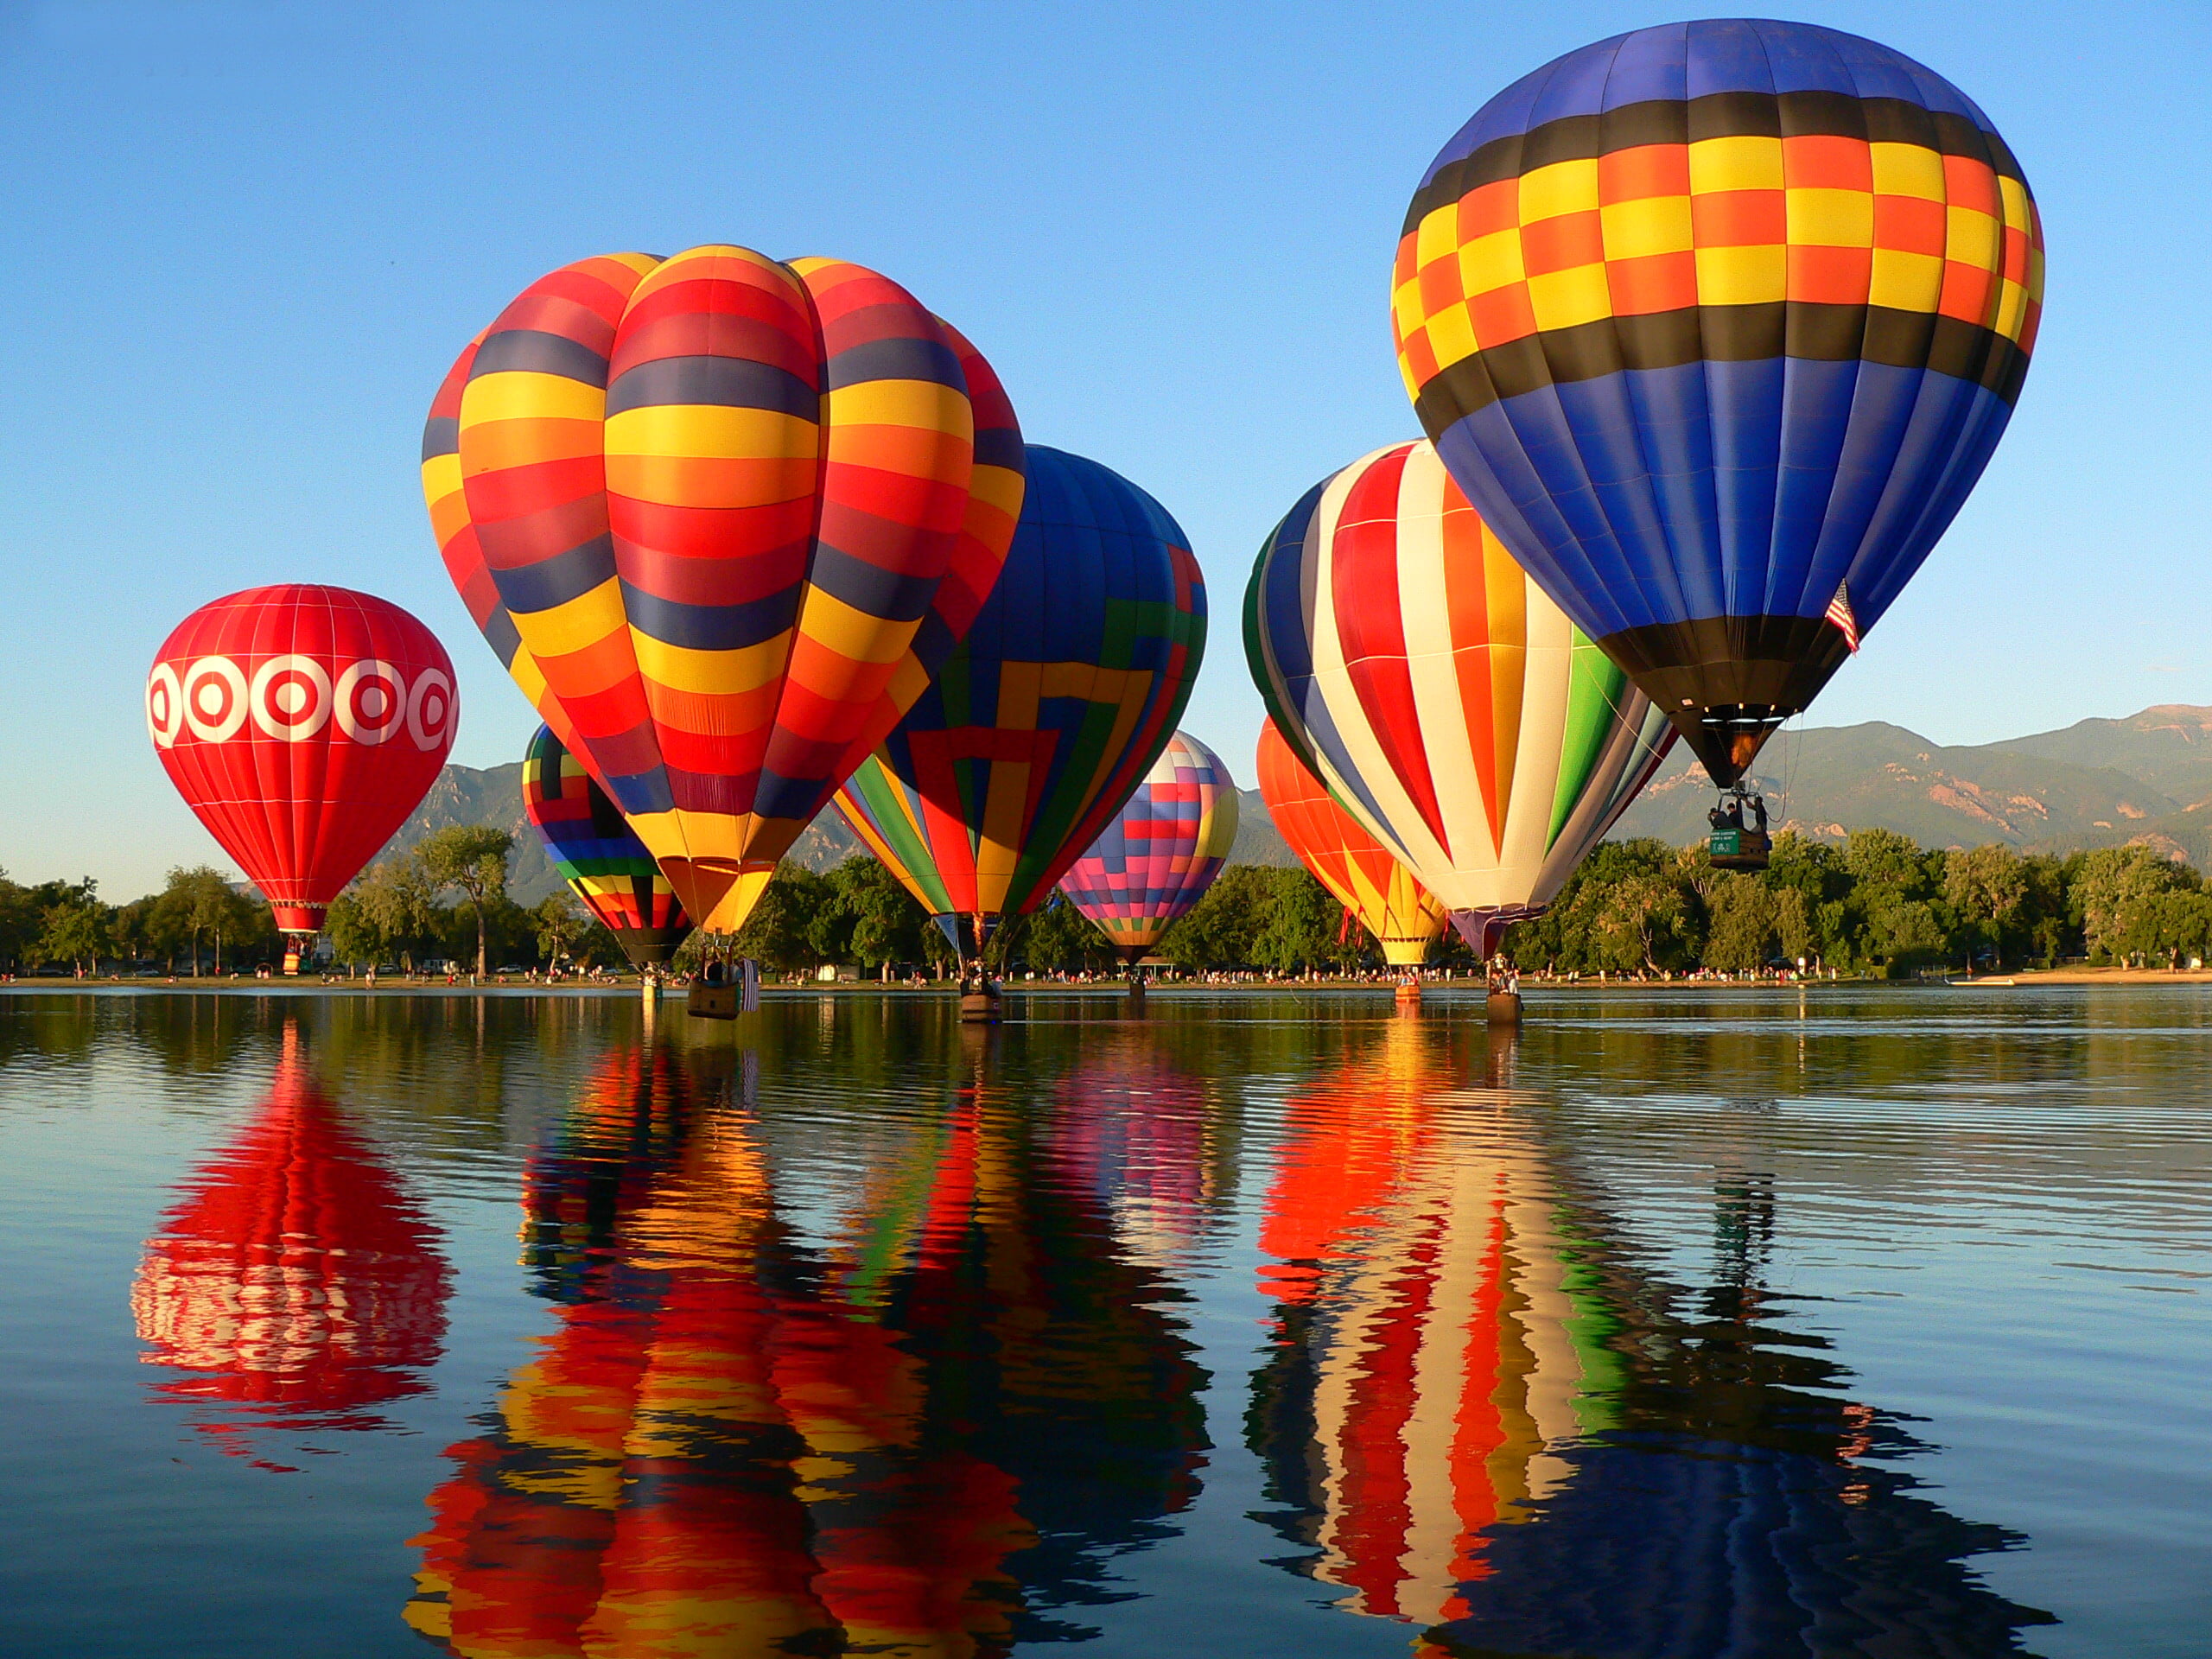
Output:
x,y
1364,876
722,518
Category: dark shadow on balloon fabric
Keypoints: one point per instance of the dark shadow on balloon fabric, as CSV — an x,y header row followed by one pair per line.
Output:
x,y
295,1285
1546,1449
924,1428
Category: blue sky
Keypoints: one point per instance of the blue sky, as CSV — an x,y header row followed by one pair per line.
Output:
x,y
242,243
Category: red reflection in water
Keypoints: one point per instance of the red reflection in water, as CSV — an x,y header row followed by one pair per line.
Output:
x,y
296,1284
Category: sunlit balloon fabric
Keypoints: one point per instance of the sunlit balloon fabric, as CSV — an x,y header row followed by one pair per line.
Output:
x,y
295,1283
1717,323
1362,874
598,855
1162,851
302,725
722,518
1042,721
1446,704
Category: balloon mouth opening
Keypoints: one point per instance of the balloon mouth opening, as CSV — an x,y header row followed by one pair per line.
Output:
x,y
1727,739
1482,929
298,918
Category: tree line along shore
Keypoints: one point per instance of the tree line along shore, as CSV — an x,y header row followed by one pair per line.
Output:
x,y
1877,904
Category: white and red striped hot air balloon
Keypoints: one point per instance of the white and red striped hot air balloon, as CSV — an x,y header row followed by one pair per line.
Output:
x,y
1447,704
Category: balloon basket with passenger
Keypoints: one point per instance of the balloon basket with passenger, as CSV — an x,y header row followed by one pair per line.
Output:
x,y
1739,840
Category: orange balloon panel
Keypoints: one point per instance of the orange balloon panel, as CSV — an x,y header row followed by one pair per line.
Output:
x,y
1362,874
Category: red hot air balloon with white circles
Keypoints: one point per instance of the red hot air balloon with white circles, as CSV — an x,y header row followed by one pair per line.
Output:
x,y
303,724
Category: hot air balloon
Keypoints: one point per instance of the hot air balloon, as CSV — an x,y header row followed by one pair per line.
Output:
x,y
599,855
721,518
1716,324
1045,717
1162,851
302,725
295,1283
1446,704
1361,873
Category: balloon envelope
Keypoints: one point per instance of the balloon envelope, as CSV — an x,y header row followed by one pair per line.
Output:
x,y
1161,852
1043,720
1364,875
599,855
1446,704
302,725
722,518
1717,324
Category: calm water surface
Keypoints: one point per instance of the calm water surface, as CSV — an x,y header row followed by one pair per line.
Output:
x,y
1745,1325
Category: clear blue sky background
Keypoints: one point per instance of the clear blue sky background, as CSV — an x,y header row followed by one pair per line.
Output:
x,y
239,245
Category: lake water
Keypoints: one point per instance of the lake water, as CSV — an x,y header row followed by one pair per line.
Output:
x,y
1745,1324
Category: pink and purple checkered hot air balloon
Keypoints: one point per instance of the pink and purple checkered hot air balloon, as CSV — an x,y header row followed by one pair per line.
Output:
x,y
1161,853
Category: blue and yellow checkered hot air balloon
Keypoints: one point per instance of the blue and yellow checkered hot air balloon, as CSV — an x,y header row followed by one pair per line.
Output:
x,y
1044,718
1716,324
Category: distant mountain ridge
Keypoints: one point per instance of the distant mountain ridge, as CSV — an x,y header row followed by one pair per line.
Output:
x,y
2097,783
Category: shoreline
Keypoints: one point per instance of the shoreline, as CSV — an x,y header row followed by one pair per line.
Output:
x,y
673,996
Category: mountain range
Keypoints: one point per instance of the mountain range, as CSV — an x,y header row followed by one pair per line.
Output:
x,y
2098,783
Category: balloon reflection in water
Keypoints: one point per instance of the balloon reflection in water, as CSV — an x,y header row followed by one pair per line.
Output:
x,y
1429,1349
296,1285
1483,1414
920,1437
1134,1135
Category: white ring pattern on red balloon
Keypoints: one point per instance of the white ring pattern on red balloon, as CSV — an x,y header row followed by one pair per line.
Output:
x,y
290,698
293,697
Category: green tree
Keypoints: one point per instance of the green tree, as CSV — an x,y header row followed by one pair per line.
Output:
x,y
776,933
1986,888
471,857
19,922
398,908
1063,938
2110,887
1744,924
75,929
1221,929
1301,924
196,902
879,920
559,922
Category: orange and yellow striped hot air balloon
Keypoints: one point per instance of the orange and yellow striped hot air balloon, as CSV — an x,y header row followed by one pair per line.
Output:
x,y
722,518
1365,877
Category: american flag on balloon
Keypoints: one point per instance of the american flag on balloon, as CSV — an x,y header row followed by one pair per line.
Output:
x,y
1839,612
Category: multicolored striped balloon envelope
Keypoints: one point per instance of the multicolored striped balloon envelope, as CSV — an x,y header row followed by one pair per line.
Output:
x,y
1162,851
1362,874
722,518
599,855
1717,324
1043,720
1446,704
